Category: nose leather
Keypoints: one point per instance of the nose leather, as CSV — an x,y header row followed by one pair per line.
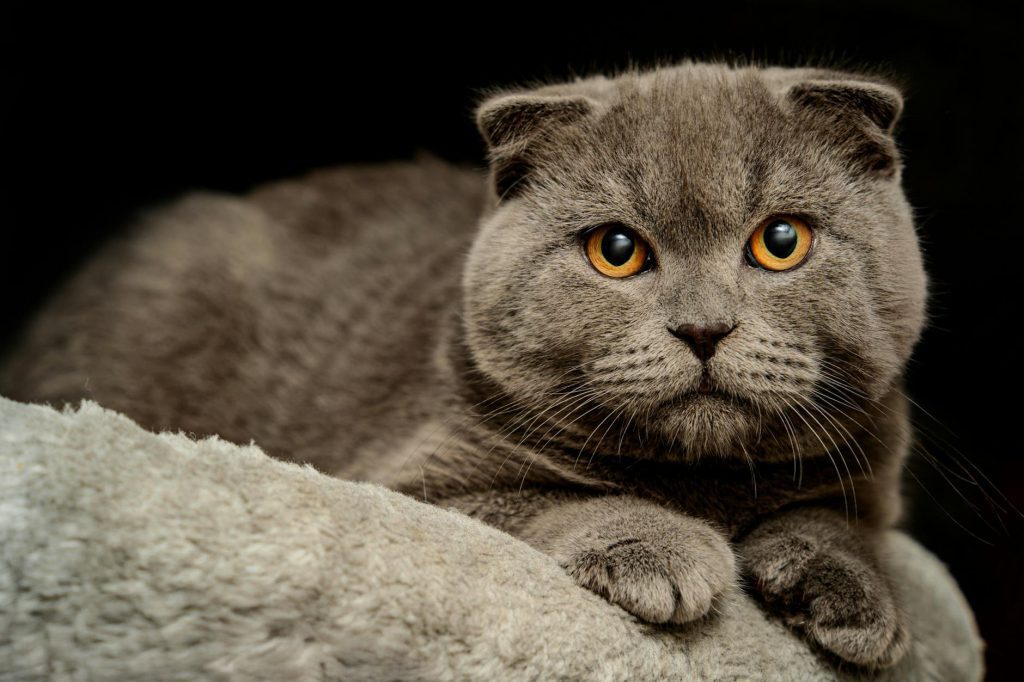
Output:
x,y
702,339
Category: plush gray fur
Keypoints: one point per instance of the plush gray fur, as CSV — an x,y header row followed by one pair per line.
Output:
x,y
133,556
420,325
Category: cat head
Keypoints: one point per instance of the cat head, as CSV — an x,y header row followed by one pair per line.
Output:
x,y
697,250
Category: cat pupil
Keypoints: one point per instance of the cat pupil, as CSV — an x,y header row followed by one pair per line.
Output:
x,y
780,239
617,246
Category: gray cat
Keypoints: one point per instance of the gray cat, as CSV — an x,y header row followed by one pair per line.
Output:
x,y
663,340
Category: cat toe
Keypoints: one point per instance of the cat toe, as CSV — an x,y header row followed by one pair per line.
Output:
x,y
839,602
877,645
654,585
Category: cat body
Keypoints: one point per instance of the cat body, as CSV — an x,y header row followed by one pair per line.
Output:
x,y
440,330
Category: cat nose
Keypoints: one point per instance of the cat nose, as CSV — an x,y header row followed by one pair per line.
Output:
x,y
702,339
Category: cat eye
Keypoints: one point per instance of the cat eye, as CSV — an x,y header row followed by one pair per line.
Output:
x,y
617,251
779,244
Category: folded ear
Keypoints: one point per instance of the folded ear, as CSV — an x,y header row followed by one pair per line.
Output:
x,y
879,104
513,125
858,114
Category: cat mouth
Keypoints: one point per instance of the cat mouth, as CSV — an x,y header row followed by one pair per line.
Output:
x,y
708,396
706,392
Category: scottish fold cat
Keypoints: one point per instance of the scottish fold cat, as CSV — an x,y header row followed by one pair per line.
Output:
x,y
661,338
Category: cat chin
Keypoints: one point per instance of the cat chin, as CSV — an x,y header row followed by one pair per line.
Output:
x,y
700,424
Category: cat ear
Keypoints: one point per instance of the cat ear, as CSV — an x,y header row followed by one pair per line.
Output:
x,y
510,124
880,104
859,114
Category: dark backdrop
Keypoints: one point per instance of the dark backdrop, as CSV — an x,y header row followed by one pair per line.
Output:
x,y
105,111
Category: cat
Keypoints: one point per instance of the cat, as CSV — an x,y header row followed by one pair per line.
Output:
x,y
661,337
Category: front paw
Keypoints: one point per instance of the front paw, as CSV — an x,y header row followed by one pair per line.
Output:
x,y
661,573
838,599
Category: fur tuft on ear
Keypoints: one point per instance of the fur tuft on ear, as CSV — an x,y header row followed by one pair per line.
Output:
x,y
510,123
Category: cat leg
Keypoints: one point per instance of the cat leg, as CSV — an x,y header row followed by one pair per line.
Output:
x,y
658,564
821,575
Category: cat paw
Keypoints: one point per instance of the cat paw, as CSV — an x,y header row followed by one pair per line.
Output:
x,y
838,600
655,580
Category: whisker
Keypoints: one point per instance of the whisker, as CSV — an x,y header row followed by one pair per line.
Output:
x,y
519,424
839,453
842,485
948,449
597,448
567,406
849,440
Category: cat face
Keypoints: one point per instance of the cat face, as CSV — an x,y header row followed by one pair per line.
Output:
x,y
701,346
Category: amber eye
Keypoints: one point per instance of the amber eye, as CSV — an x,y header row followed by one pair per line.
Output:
x,y
779,244
617,251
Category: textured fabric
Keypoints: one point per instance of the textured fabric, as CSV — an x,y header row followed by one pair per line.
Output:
x,y
130,555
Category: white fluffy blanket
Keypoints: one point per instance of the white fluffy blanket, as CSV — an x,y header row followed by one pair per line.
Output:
x,y
130,555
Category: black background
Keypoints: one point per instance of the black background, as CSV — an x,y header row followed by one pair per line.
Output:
x,y
106,111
